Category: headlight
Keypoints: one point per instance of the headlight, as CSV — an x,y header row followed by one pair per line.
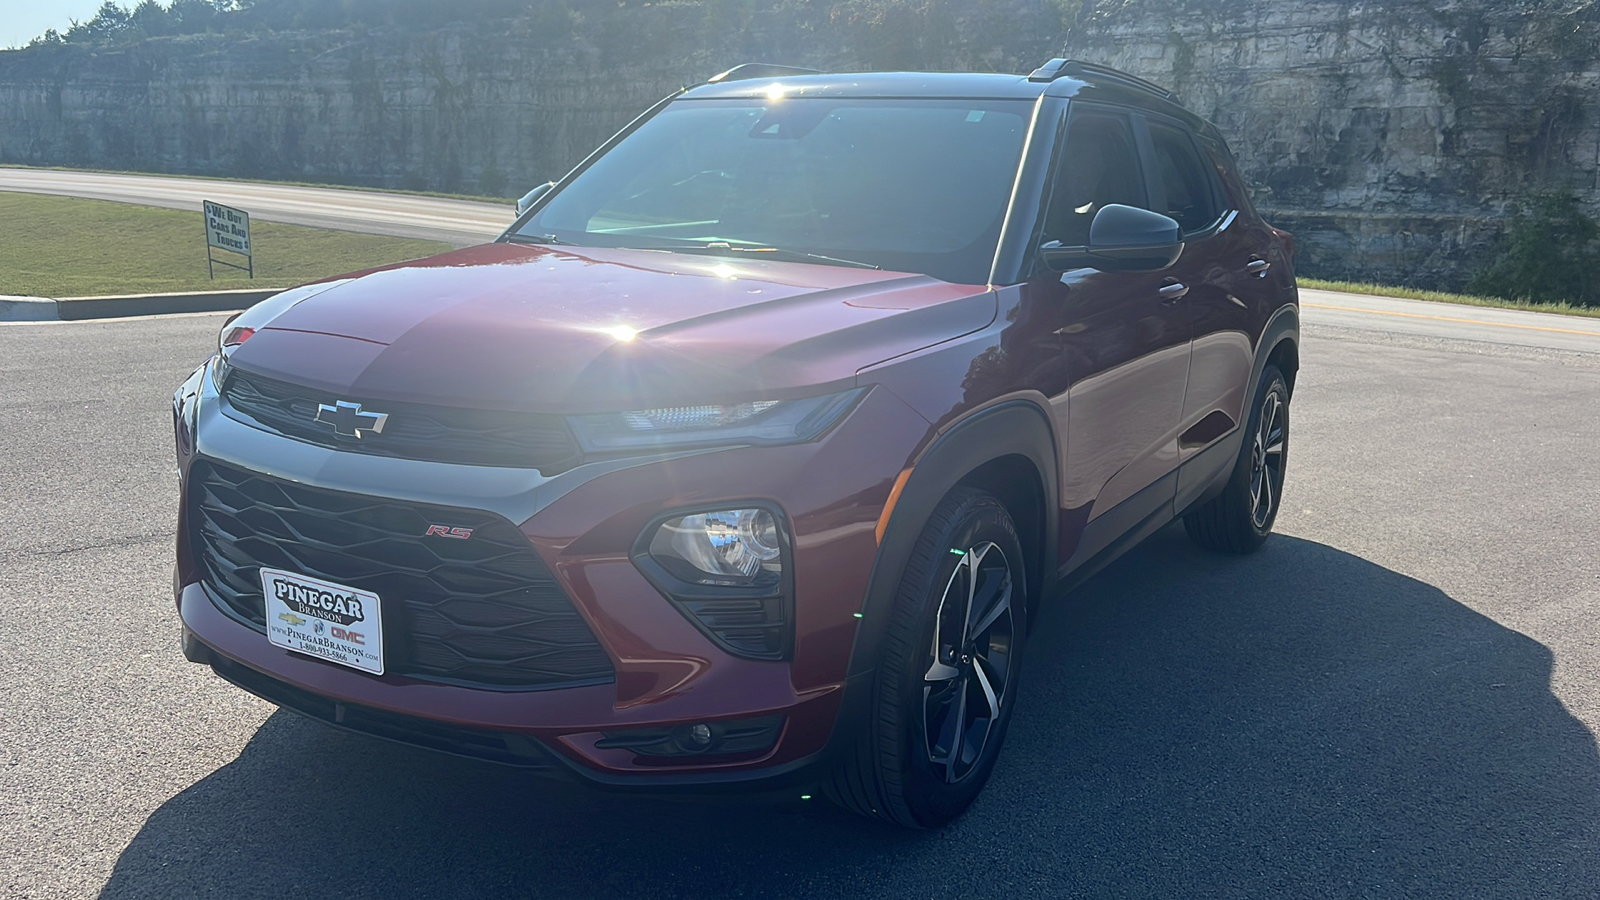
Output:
x,y
735,547
724,570
765,422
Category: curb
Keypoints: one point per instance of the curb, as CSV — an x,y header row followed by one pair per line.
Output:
x,y
40,309
27,309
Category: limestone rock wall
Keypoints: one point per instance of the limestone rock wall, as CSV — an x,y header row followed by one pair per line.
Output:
x,y
487,109
1392,136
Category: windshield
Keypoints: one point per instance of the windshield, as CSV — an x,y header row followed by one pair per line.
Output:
x,y
904,185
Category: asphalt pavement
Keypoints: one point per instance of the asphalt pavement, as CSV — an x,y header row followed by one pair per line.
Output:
x,y
459,222
1398,696
1425,319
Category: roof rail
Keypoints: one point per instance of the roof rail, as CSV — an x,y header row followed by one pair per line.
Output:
x,y
759,70
1058,68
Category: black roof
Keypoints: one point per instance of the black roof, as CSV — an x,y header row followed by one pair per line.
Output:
x,y
1058,78
966,85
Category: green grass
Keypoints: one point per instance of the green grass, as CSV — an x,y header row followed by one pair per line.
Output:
x,y
1387,290
66,247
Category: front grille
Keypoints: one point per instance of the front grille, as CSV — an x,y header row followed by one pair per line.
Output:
x,y
479,437
483,611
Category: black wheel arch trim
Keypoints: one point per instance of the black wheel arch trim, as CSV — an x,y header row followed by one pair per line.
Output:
x,y
1010,428
1283,325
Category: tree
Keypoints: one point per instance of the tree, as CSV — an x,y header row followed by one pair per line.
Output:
x,y
149,19
1550,254
195,16
109,21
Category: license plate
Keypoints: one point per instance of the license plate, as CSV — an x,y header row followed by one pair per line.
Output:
x,y
335,622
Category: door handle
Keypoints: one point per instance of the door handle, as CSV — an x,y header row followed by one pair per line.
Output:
x,y
1258,267
1171,293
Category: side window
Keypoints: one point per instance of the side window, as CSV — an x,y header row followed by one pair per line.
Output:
x,y
1097,166
1186,181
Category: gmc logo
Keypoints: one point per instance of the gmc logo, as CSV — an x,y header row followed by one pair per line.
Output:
x,y
354,637
446,531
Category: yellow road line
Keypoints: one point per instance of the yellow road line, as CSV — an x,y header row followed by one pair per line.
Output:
x,y
1380,312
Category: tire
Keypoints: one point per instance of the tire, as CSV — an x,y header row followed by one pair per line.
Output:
x,y
910,763
1239,519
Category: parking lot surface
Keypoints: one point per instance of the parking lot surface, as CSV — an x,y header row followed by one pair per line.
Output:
x,y
1398,696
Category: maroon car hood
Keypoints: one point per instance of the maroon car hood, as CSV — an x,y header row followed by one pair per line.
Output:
x,y
507,326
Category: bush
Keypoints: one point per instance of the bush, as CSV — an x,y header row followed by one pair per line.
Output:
x,y
1548,255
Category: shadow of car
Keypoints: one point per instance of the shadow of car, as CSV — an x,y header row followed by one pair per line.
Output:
x,y
1301,722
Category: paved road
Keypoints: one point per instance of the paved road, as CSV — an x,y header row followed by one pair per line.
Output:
x,y
460,222
1419,318
1396,697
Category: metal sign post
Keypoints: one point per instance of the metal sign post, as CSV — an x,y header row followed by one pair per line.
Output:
x,y
227,229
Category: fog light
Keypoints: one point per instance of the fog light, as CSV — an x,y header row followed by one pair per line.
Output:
x,y
733,547
700,736
663,744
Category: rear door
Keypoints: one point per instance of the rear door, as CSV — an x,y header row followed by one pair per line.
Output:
x,y
1216,270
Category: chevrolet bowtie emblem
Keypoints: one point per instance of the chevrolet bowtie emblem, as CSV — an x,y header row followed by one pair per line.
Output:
x,y
350,419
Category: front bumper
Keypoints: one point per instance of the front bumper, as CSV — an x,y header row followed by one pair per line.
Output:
x,y
553,729
582,523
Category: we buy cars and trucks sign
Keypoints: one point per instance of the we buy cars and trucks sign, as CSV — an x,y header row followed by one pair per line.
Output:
x,y
227,229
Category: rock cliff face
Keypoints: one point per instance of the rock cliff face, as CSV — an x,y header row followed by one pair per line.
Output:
x,y
1392,136
488,109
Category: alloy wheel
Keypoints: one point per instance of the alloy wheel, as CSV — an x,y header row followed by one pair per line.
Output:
x,y
964,689
1266,459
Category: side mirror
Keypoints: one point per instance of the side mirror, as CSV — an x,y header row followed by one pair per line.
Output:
x,y
1121,239
533,196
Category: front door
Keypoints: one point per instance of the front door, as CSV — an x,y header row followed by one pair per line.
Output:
x,y
1120,347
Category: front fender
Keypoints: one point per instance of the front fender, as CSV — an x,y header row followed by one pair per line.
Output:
x,y
1010,428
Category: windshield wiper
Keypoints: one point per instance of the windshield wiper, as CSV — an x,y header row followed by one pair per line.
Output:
x,y
797,255
536,239
801,254
712,247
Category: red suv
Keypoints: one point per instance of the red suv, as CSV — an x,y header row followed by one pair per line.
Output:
x,y
748,454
